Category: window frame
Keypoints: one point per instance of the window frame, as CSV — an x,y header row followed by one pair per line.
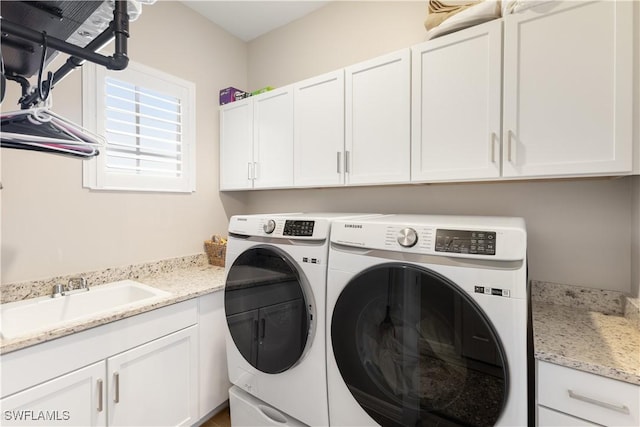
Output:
x,y
96,176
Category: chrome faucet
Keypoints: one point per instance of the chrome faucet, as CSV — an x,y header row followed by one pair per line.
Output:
x,y
58,291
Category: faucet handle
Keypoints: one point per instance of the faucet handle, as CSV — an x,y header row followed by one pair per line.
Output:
x,y
81,281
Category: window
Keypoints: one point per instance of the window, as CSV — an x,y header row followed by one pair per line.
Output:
x,y
148,119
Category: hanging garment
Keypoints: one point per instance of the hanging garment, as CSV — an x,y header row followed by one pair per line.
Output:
x,y
39,129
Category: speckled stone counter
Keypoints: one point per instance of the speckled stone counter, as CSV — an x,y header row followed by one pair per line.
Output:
x,y
586,330
184,278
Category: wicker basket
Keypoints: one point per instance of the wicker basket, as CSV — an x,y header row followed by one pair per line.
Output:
x,y
215,252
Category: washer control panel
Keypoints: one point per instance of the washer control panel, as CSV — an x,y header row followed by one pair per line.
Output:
x,y
466,242
298,228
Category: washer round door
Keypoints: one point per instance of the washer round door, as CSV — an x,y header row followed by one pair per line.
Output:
x,y
416,350
266,309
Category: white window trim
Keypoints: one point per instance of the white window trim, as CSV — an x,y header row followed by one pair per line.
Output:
x,y
95,175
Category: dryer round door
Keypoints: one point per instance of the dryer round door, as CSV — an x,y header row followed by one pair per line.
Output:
x,y
266,309
414,349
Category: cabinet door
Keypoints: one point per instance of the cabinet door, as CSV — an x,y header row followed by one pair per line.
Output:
x,y
214,380
456,98
236,145
603,401
318,143
568,89
155,384
550,418
273,139
377,121
74,399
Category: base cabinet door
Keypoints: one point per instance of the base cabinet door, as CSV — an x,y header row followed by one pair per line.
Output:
x,y
74,399
155,384
213,379
550,418
568,89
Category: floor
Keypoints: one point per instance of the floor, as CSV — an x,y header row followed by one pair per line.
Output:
x,y
221,419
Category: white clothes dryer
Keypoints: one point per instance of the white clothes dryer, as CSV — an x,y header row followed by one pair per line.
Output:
x,y
428,321
275,293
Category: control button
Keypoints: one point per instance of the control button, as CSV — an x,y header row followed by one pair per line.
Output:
x,y
407,237
269,226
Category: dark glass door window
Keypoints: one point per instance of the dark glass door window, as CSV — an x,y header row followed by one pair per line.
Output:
x,y
266,309
415,350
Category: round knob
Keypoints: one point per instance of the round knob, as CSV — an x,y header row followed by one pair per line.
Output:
x,y
407,237
269,226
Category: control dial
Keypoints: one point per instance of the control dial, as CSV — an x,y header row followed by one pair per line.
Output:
x,y
269,226
407,237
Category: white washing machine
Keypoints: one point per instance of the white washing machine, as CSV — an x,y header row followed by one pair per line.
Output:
x,y
428,321
275,297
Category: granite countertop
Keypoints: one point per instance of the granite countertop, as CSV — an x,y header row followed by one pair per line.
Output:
x,y
183,282
571,332
579,328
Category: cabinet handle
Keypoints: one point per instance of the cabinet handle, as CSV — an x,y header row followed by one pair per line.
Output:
x,y
338,158
618,408
492,147
116,385
347,160
100,395
263,327
249,171
257,330
512,150
255,170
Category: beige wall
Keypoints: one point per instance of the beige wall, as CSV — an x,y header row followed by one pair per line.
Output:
x,y
579,231
51,225
339,34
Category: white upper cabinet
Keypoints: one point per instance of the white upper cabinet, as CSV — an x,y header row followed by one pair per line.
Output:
x,y
318,144
236,145
256,141
377,120
568,89
273,139
456,101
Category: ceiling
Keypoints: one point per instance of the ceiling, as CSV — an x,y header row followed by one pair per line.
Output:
x,y
250,19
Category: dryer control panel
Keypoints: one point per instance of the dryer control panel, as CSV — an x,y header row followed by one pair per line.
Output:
x,y
298,228
466,242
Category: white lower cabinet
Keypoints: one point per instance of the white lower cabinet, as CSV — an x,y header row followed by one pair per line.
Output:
x,y
567,397
153,384
74,399
549,417
139,371
213,376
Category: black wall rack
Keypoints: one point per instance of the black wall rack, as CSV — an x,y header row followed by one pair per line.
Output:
x,y
24,26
